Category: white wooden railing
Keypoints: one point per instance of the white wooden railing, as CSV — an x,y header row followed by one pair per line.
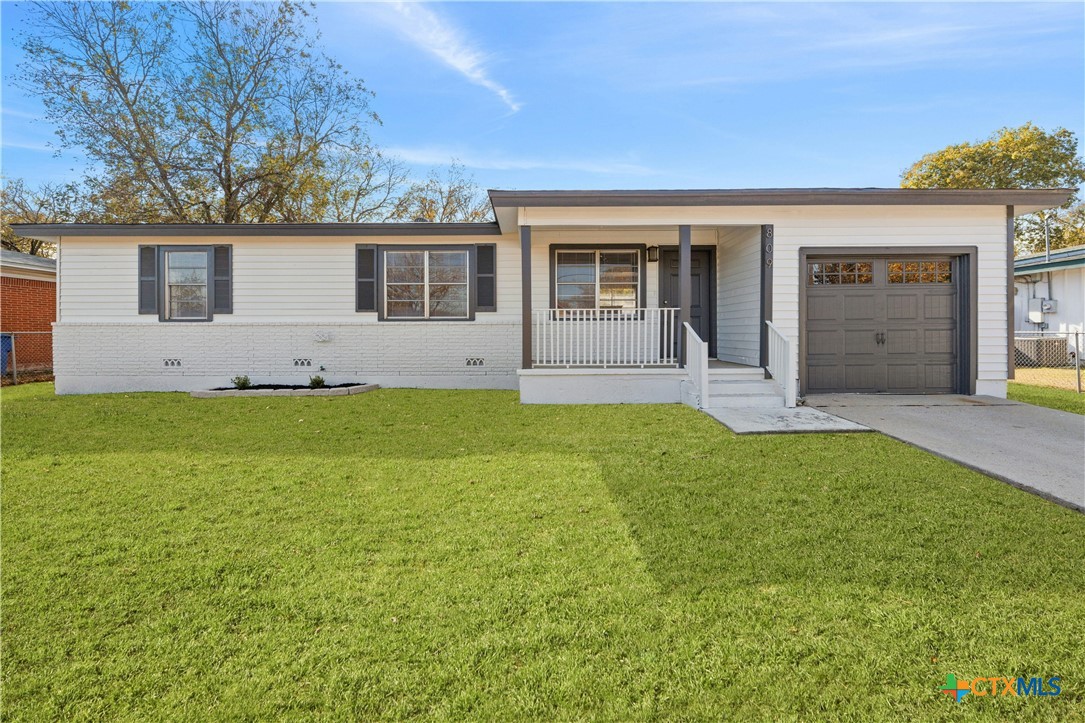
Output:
x,y
782,364
697,363
603,337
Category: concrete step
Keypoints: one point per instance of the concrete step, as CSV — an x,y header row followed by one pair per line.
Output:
x,y
750,373
743,401
740,386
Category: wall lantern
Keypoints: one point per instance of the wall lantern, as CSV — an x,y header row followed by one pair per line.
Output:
x,y
653,254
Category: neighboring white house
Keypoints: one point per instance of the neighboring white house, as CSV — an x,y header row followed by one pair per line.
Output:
x,y
1049,291
574,296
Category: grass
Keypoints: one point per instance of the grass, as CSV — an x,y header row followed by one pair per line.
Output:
x,y
1067,401
451,554
1056,377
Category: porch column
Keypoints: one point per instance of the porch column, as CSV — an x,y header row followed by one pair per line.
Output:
x,y
525,291
766,290
685,295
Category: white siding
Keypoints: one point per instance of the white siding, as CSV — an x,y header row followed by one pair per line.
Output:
x,y
1066,287
275,279
293,298
738,295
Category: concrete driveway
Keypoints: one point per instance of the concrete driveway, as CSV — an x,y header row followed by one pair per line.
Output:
x,y
1037,449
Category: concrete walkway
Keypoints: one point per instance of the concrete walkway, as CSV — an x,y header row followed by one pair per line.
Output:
x,y
780,420
1037,449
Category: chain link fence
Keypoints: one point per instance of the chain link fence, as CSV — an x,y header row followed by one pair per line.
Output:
x,y
26,356
1049,358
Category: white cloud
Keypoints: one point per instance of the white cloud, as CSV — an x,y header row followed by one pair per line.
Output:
x,y
435,156
438,36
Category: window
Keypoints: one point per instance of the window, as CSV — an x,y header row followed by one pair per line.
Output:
x,y
597,279
427,284
920,272
840,272
185,283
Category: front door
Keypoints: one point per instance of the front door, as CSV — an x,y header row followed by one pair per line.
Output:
x,y
701,282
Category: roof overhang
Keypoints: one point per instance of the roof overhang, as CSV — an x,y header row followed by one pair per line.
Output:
x,y
53,231
1024,201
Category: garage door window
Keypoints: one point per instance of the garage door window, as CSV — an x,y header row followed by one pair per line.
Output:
x,y
840,272
920,272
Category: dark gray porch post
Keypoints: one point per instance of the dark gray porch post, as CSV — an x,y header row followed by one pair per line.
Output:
x,y
685,295
766,290
525,286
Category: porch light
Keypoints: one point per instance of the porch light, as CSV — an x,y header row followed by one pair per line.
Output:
x,y
653,254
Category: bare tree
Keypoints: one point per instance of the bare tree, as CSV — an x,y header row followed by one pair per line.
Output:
x,y
48,203
452,197
204,112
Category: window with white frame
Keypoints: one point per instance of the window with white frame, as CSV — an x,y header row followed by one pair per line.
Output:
x,y
186,275
597,279
426,284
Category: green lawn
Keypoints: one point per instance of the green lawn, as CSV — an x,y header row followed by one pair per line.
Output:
x,y
1067,401
451,554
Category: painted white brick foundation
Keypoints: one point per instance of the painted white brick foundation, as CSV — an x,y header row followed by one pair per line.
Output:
x,y
112,357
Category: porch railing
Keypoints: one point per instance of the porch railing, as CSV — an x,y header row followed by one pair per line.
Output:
x,y
782,364
697,364
604,337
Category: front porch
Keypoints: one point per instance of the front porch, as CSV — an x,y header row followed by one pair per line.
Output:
x,y
651,314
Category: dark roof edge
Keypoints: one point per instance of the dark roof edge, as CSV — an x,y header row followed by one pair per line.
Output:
x,y
1052,265
786,197
258,229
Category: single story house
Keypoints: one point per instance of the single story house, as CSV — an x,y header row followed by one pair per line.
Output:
x,y
1049,306
1049,291
28,303
717,297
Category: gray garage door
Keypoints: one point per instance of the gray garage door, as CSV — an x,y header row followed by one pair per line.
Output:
x,y
881,325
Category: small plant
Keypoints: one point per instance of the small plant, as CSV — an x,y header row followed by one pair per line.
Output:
x,y
316,382
242,382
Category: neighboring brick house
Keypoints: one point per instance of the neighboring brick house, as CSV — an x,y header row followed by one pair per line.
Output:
x,y
28,302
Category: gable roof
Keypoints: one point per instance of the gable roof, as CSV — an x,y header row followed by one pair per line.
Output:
x,y
26,262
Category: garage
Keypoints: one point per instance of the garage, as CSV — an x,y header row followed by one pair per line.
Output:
x,y
889,323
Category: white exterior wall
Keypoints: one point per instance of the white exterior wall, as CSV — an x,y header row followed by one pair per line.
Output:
x,y
738,295
1066,287
796,227
292,298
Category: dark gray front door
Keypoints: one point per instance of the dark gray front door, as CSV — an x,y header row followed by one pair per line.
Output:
x,y
881,325
701,280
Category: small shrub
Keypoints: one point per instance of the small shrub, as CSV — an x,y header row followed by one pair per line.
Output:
x,y
242,382
316,382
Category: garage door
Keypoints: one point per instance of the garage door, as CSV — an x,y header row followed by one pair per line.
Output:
x,y
881,325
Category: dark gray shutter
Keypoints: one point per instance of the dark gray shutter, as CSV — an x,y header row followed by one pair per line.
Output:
x,y
486,277
223,276
365,275
148,279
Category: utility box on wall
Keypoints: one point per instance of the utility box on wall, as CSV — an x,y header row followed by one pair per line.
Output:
x,y
1036,310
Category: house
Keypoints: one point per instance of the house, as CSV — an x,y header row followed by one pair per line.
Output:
x,y
741,297
1049,291
1049,307
28,303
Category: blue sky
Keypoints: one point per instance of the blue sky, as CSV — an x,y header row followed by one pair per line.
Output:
x,y
673,95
